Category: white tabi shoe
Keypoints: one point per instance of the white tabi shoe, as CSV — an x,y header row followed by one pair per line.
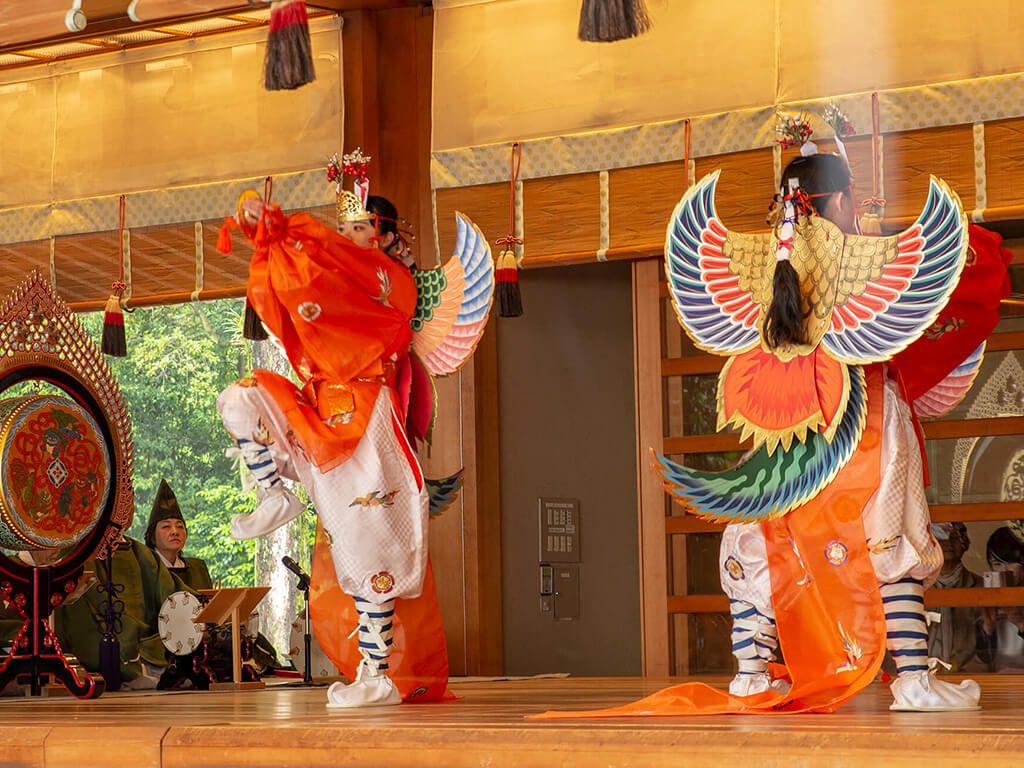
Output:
x,y
749,685
921,691
279,507
372,688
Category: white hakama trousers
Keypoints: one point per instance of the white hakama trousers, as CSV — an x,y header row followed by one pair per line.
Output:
x,y
373,507
896,521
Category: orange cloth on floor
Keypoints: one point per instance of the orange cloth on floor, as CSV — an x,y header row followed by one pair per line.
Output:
x,y
342,315
418,664
827,606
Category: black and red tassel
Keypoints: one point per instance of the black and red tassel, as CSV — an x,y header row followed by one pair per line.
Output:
x,y
252,327
506,268
113,341
289,58
506,278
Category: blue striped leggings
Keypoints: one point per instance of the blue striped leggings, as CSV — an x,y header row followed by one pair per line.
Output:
x,y
906,632
754,637
376,629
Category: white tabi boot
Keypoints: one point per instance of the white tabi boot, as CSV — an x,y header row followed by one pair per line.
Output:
x,y
916,689
922,691
278,506
372,687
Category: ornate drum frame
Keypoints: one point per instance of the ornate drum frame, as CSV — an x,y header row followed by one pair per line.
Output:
x,y
42,340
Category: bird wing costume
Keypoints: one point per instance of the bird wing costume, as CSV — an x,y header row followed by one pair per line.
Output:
x,y
866,299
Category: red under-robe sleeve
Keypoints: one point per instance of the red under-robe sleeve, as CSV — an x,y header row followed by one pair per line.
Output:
x,y
967,319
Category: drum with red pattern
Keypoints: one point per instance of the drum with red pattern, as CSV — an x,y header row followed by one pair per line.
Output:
x,y
55,472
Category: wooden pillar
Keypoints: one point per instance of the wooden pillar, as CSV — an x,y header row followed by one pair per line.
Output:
x,y
650,496
402,170
387,74
359,75
424,222
447,540
482,532
388,79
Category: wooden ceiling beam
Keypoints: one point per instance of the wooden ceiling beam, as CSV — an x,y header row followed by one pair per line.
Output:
x,y
41,22
104,46
103,10
16,35
36,56
168,29
22,20
364,5
26,20
149,11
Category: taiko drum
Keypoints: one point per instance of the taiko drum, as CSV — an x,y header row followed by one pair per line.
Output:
x,y
55,472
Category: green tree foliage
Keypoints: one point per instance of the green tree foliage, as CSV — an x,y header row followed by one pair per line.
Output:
x,y
179,359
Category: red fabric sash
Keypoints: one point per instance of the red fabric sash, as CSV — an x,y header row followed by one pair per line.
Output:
x,y
325,443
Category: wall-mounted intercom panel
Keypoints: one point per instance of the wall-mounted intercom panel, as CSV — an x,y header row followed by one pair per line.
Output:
x,y
559,530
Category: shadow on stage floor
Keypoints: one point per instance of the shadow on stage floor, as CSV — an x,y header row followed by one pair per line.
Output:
x,y
281,726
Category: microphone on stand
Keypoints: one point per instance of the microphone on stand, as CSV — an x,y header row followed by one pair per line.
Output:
x,y
294,567
303,586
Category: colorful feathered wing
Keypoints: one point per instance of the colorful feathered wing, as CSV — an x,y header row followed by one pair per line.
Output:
x,y
452,306
443,492
713,304
885,302
947,394
454,302
867,299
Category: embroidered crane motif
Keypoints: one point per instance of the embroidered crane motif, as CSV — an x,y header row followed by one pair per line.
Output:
x,y
375,499
888,544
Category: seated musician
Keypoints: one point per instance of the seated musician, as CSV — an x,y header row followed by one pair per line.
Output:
x,y
143,573
166,535
146,583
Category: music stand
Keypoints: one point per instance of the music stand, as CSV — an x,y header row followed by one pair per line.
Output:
x,y
232,604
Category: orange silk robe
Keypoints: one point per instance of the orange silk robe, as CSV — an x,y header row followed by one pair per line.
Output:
x,y
342,314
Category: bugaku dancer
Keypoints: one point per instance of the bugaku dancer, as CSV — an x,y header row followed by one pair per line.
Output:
x,y
364,335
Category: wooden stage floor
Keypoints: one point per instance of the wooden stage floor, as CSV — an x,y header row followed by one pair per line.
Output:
x,y
291,727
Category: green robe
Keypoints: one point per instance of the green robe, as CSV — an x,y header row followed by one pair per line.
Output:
x,y
147,583
195,575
